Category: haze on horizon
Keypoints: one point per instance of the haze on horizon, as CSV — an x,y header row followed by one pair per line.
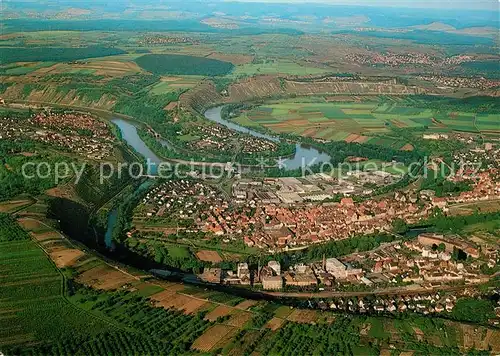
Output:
x,y
491,5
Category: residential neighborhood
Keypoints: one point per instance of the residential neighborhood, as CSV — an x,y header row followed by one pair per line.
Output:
x,y
74,132
267,221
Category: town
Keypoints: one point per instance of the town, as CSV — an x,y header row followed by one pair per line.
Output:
x,y
314,188
391,59
429,262
281,214
81,134
162,40
416,272
220,139
462,82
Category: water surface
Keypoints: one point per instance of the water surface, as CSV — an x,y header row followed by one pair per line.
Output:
x,y
304,156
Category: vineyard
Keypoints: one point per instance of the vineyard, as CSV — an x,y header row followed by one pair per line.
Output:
x,y
32,304
37,312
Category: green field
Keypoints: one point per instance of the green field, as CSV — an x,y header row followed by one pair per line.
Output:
x,y
273,67
487,122
25,68
175,84
178,252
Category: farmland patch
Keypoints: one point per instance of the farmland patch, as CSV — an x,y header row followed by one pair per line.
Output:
x,y
209,256
211,337
303,316
104,277
65,258
275,323
220,311
13,205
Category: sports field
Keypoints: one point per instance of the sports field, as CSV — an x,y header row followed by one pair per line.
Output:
x,y
361,122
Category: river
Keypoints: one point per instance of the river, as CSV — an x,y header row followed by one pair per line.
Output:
x,y
305,155
108,237
130,135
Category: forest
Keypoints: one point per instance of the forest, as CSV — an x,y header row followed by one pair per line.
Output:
x,y
329,249
54,54
341,150
455,224
443,187
164,64
473,310
476,104
10,229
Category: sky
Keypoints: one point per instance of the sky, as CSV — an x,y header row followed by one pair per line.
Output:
x,y
492,5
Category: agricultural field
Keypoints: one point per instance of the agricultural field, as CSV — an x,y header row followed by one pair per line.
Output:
x,y
488,123
469,208
208,256
364,122
23,68
32,306
96,67
212,336
12,205
277,67
10,230
63,38
173,84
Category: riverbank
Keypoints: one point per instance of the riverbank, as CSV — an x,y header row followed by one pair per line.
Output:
x,y
305,155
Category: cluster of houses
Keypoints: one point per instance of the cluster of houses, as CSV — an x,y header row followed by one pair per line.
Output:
x,y
482,159
178,199
221,139
272,277
430,260
280,227
272,225
423,264
458,59
426,262
424,304
462,82
269,277
391,59
193,206
323,275
166,40
78,133
485,186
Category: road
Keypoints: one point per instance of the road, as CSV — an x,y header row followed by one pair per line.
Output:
x,y
388,291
